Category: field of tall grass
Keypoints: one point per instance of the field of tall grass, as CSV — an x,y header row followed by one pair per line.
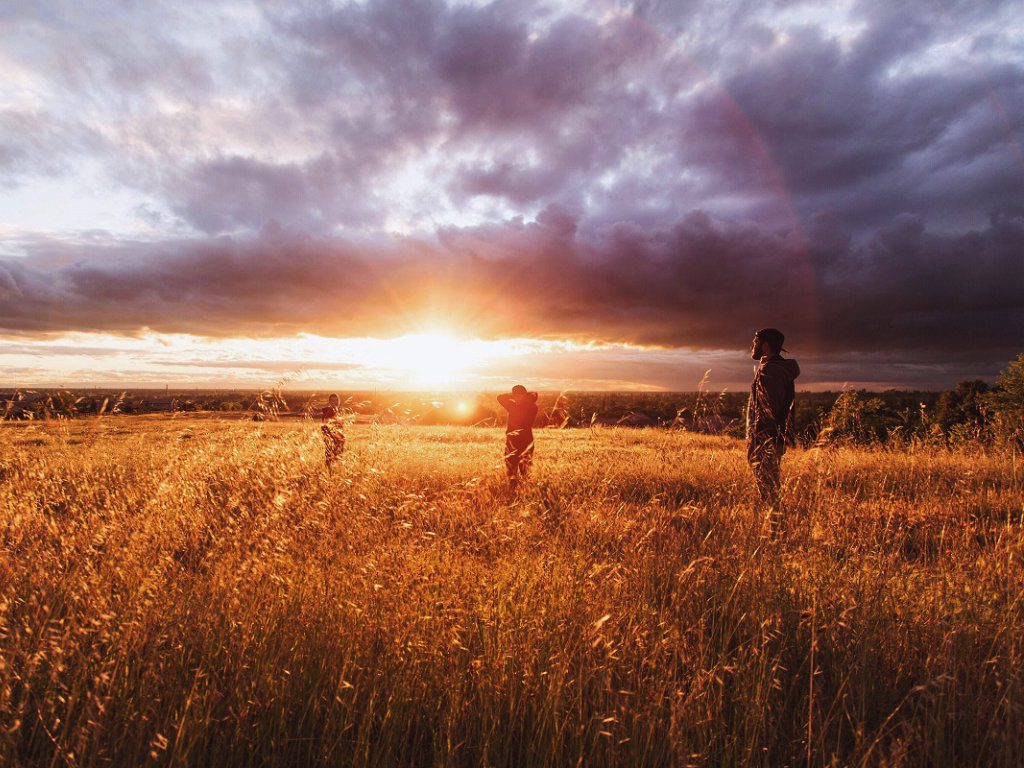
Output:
x,y
202,592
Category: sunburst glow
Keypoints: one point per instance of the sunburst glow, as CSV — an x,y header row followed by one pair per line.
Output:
x,y
435,359
425,359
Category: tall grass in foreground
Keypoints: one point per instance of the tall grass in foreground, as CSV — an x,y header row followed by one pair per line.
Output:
x,y
203,593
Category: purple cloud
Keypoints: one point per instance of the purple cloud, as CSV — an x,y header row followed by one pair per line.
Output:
x,y
654,172
699,282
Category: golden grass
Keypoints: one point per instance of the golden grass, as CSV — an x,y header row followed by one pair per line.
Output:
x,y
203,593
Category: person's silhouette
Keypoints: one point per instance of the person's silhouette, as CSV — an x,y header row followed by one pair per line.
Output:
x,y
522,411
332,426
770,415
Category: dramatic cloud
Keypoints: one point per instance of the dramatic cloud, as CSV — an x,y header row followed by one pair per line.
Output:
x,y
658,173
700,282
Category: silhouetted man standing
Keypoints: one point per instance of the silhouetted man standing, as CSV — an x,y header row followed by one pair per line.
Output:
x,y
522,411
769,414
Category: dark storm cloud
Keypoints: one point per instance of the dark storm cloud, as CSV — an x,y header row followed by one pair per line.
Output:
x,y
541,111
846,136
490,67
699,282
541,108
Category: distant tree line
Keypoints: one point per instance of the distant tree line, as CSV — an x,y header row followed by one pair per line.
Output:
x,y
973,411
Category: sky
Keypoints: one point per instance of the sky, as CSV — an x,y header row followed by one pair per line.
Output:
x,y
403,194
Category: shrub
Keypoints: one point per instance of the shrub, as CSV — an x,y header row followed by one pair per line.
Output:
x,y
1007,401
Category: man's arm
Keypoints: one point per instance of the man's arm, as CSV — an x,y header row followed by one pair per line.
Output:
x,y
508,402
532,413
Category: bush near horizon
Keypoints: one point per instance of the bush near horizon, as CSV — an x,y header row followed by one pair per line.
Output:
x,y
1007,401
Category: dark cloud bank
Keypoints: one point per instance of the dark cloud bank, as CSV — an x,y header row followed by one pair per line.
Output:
x,y
700,282
669,174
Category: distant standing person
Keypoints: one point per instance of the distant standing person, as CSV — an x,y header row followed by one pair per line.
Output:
x,y
332,426
522,411
770,414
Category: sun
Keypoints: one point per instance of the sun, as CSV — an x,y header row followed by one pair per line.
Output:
x,y
427,359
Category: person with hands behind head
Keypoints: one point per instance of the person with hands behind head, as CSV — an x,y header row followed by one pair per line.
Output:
x,y
332,426
522,412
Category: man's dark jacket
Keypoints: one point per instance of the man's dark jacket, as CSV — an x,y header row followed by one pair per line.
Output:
x,y
770,408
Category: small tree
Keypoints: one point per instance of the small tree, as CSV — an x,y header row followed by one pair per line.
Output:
x,y
1007,401
963,413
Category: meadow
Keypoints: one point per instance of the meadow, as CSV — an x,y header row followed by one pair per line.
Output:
x,y
177,591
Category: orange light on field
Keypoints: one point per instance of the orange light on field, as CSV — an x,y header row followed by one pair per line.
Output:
x,y
462,407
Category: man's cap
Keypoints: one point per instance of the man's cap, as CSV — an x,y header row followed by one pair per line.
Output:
x,y
773,336
518,389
